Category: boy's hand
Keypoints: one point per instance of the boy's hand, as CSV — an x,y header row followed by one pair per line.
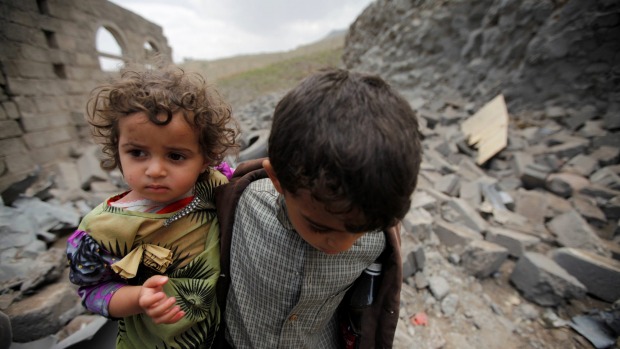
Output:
x,y
156,304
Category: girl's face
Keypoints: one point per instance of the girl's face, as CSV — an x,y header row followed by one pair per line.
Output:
x,y
160,163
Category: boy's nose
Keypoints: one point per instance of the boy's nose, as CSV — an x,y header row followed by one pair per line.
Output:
x,y
342,242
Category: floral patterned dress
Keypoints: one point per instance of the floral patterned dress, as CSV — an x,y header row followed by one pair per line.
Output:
x,y
114,247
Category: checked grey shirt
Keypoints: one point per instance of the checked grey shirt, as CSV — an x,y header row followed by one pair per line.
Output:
x,y
283,292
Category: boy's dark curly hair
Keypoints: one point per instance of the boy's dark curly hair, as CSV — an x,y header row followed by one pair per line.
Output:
x,y
156,92
352,141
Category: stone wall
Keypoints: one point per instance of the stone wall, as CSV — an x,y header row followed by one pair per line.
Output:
x,y
49,63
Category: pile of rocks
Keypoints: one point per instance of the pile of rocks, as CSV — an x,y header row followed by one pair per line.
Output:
x,y
540,218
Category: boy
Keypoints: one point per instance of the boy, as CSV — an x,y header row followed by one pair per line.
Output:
x,y
344,155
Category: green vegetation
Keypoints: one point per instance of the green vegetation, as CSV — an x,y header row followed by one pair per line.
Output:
x,y
243,87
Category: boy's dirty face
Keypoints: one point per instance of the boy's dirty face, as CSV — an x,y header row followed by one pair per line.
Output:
x,y
320,228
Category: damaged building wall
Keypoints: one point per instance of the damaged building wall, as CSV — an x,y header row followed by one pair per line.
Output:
x,y
49,62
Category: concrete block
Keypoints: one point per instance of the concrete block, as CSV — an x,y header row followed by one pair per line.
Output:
x,y
482,258
572,230
515,242
581,164
470,192
448,184
9,128
11,109
534,175
611,208
565,184
568,149
418,222
40,315
422,199
600,275
470,171
12,146
520,161
413,255
458,210
607,178
89,167
439,287
532,205
606,155
455,235
67,176
544,282
45,138
586,206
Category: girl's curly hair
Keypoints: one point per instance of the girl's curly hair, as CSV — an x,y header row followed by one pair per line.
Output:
x,y
157,92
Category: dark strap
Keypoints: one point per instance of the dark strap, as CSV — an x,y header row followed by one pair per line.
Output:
x,y
226,200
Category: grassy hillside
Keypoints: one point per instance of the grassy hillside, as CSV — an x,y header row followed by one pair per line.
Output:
x,y
241,79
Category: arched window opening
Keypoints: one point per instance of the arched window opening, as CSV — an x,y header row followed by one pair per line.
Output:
x,y
150,52
109,50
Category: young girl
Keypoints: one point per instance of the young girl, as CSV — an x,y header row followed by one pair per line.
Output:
x,y
150,256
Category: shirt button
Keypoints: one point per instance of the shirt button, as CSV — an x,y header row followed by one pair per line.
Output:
x,y
293,317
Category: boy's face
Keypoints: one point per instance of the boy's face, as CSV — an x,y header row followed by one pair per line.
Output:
x,y
320,228
160,163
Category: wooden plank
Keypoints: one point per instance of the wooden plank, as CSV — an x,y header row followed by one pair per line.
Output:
x,y
487,129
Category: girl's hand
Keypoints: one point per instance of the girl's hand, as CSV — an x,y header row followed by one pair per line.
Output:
x,y
156,304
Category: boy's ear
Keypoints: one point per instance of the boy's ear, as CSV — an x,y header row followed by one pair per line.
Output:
x,y
272,175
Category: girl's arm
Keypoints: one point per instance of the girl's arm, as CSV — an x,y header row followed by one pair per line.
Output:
x,y
149,299
104,292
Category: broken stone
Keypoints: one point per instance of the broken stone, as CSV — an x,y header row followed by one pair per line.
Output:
x,y
600,275
544,282
89,168
419,222
448,184
581,164
439,287
535,175
532,205
599,191
611,208
40,314
515,242
421,199
587,208
556,205
606,155
607,178
573,231
470,192
482,258
455,235
565,184
458,210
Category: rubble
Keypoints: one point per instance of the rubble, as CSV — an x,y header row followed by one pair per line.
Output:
x,y
522,242
552,233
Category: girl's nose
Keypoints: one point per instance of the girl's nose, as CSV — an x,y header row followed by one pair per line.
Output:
x,y
155,169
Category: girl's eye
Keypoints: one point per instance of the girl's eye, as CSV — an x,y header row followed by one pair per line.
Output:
x,y
176,157
136,153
